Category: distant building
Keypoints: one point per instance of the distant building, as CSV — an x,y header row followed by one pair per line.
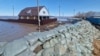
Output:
x,y
30,15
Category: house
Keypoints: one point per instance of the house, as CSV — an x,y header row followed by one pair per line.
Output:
x,y
30,15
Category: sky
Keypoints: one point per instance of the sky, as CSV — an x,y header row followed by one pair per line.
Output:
x,y
67,7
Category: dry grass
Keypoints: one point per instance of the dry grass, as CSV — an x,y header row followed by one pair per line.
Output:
x,y
96,45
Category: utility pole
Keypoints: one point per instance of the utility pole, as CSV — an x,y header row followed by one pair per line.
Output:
x,y
38,15
74,12
59,8
13,10
13,7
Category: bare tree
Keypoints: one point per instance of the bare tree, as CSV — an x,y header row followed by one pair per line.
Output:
x,y
86,14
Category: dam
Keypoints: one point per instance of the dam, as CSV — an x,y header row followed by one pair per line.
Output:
x,y
65,40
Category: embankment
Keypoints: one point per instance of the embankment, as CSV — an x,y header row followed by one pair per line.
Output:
x,y
65,40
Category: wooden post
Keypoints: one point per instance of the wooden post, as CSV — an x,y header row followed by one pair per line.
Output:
x,y
38,15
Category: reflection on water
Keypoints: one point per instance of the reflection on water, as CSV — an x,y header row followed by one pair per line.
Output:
x,y
10,31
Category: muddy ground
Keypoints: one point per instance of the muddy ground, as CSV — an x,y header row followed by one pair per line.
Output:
x,y
96,45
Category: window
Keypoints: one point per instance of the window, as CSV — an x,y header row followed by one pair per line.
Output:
x,y
29,12
34,17
22,17
43,12
27,17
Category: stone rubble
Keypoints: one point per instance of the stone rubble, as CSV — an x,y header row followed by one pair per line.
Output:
x,y
65,40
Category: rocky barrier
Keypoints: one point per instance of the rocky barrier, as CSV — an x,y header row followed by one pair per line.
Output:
x,y
65,40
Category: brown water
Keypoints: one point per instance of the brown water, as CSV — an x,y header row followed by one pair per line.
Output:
x,y
10,31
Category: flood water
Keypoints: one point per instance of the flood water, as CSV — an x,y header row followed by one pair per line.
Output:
x,y
10,30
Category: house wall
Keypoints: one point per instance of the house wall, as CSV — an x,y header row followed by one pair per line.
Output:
x,y
33,17
23,17
44,12
26,17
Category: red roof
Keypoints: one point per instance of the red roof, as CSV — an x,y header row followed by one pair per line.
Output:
x,y
30,11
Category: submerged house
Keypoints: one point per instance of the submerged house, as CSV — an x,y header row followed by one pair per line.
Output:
x,y
30,15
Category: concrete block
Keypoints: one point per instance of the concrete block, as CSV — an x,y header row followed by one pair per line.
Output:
x,y
48,52
40,53
31,39
2,45
15,47
38,43
46,45
59,49
26,52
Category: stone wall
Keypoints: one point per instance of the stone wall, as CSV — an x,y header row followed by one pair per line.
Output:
x,y
65,40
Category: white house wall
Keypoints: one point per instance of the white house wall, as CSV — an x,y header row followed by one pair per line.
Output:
x,y
41,13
